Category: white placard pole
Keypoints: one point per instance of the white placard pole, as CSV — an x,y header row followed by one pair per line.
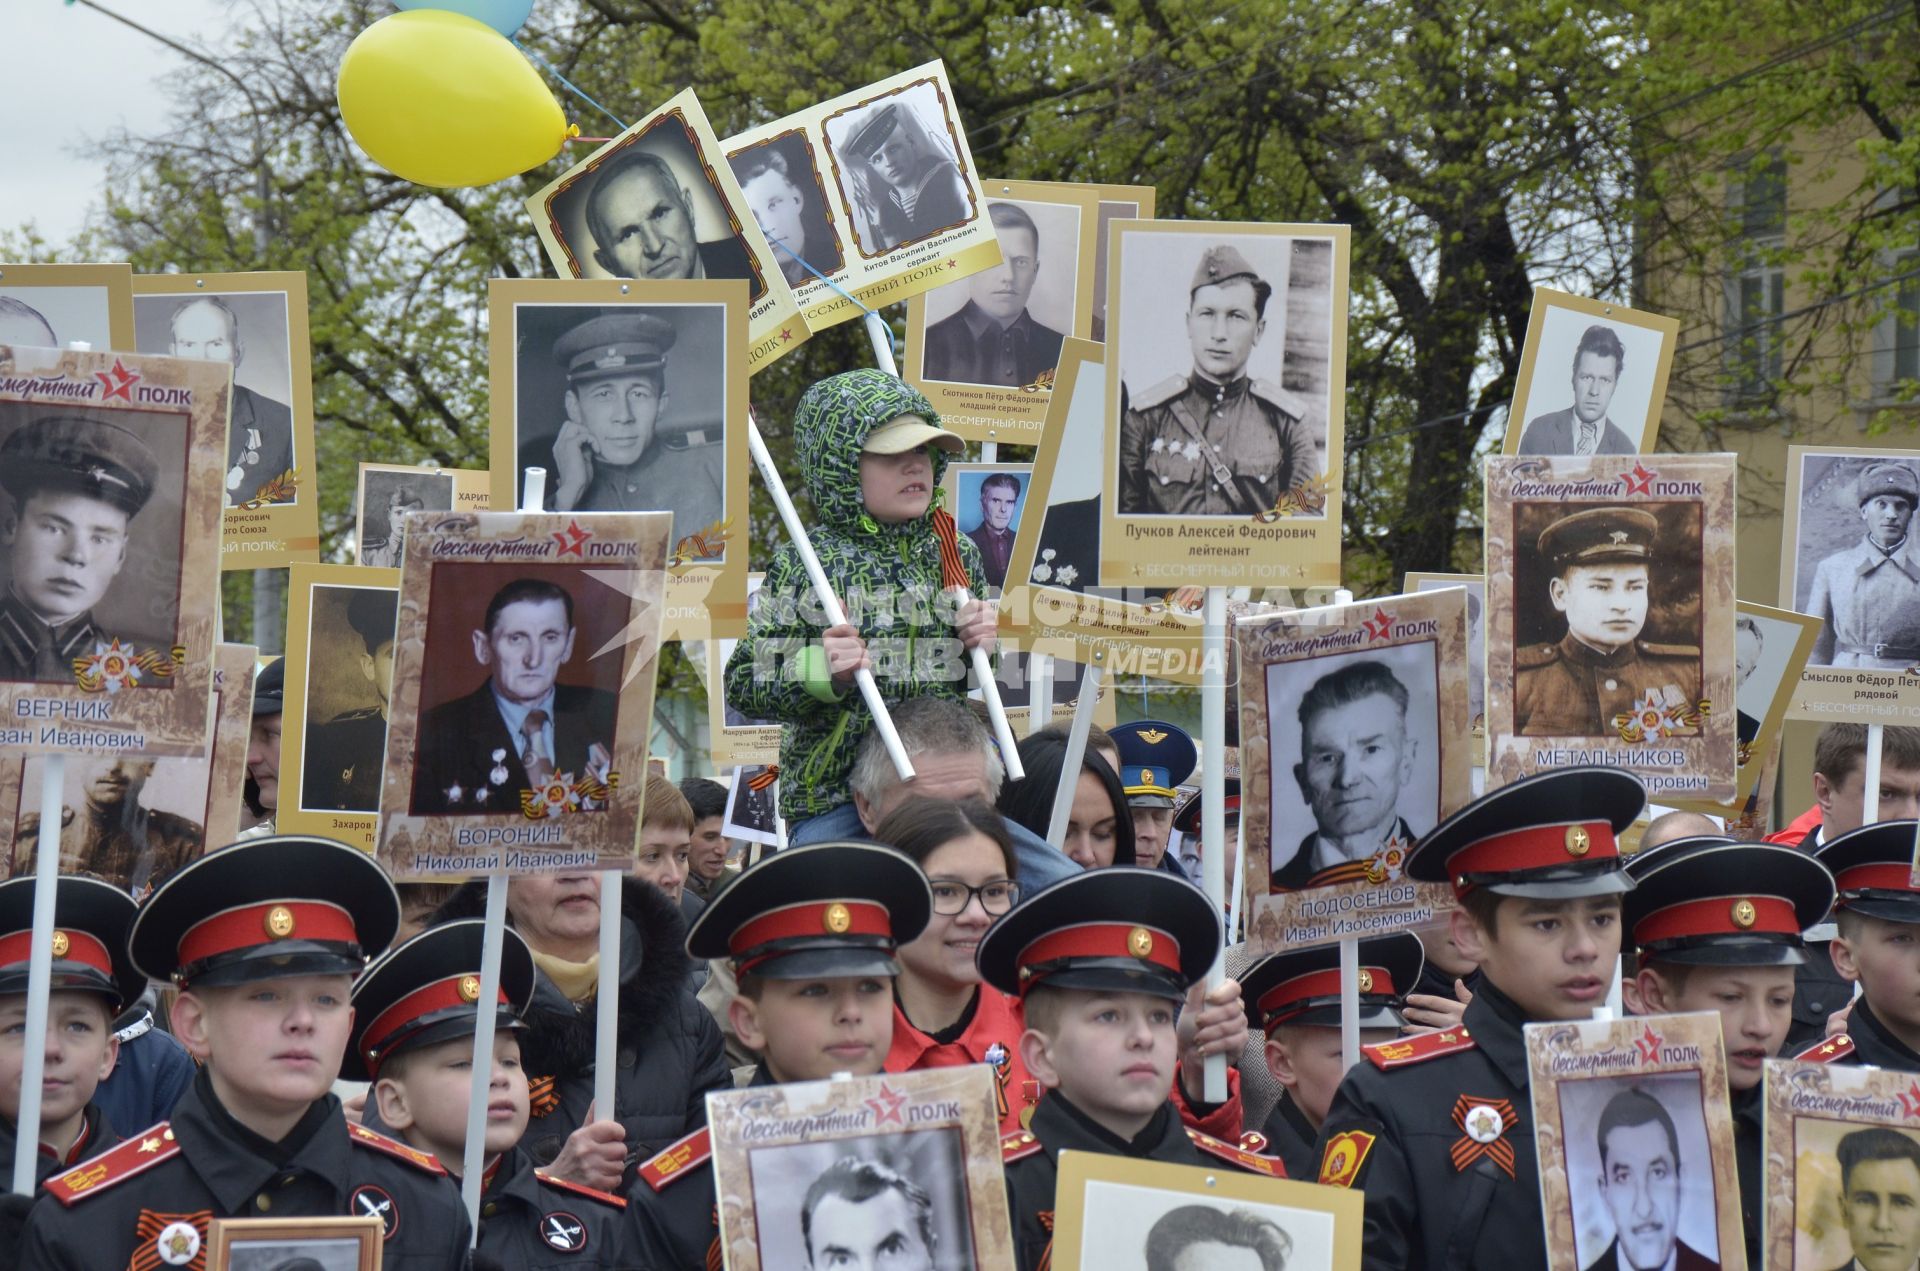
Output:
x,y
1239,873
1349,957
1213,803
1076,751
1870,777
46,881
1039,691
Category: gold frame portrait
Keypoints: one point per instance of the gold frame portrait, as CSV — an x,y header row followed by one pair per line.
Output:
x,y
728,745
225,1234
472,492
1546,302
114,279
1417,582
1753,757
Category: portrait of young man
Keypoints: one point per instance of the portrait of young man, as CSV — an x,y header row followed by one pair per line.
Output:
x,y
785,196
1585,428
642,217
901,174
861,1213
114,830
1202,1238
1868,593
260,431
386,499
343,759
994,338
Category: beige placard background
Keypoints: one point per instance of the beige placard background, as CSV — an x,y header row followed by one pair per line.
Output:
x,y
1809,1108
1476,585
733,745
1555,316
1640,1048
472,490
88,303
750,1127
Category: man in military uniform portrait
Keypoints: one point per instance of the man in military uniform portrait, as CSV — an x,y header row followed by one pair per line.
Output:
x,y
641,220
260,429
112,834
1584,427
1214,442
993,338
1599,564
345,755
1868,595
790,214
906,181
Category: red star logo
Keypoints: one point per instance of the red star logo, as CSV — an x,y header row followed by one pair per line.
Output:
x,y
1380,626
953,264
1649,1045
786,335
571,539
886,1106
1639,481
118,382
1910,1100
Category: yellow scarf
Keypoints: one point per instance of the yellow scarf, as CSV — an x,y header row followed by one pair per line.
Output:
x,y
576,980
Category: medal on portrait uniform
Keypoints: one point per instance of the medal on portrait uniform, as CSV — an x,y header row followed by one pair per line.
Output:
x,y
499,773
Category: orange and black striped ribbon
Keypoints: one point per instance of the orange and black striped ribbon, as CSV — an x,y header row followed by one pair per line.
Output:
x,y
1466,1151
716,1260
764,778
1046,1254
542,1098
147,1230
946,531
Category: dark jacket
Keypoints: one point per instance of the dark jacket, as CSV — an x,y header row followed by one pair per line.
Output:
x,y
460,739
1553,434
668,1049
254,415
153,1071
1291,1138
96,1136
1685,1258
956,353
1749,1154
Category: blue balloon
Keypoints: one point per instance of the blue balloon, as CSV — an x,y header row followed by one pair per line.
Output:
x,y
504,16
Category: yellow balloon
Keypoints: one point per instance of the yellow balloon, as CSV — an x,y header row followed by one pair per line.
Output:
x,y
442,99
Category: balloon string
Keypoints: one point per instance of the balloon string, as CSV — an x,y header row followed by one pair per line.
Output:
x,y
848,296
571,87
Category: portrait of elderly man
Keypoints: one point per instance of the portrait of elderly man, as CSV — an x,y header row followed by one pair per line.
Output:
x,y
1214,442
1640,1186
999,495
1584,427
1868,595
1599,561
861,1213
641,221
112,834
993,338
783,208
1202,1238
521,727
1880,1199
260,429
907,183
21,323
1355,759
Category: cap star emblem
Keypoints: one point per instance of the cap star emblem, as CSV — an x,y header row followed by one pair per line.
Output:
x,y
1618,537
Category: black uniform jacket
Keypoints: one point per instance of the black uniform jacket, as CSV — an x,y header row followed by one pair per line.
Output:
x,y
675,1204
1749,1151
1866,1041
533,1221
459,742
96,1136
1292,1139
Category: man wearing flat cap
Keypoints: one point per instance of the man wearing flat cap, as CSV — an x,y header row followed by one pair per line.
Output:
x,y
75,485
915,190
1601,668
641,220
345,755
1868,596
620,449
1215,442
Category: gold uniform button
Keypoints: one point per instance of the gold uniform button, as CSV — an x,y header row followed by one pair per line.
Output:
x,y
279,923
61,944
1140,942
837,919
1744,914
469,988
489,1209
1578,840
263,1202
1366,980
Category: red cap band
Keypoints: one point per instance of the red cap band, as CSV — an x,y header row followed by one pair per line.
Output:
x,y
1719,916
1536,847
1290,997
1878,875
455,990
80,947
1104,940
251,926
820,918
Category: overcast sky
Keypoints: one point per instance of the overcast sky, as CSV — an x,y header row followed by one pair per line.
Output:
x,y
72,75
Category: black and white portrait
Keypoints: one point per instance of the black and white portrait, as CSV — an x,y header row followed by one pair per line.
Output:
x,y
1640,1172
53,317
1068,553
1110,210
897,160
129,819
788,197
1355,755
1224,350
752,801
349,678
625,406
293,1255
1476,588
248,331
1594,387
897,1201
1003,326
1124,1226
385,499
1856,566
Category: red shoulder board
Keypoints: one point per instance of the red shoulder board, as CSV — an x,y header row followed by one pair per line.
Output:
x,y
115,1165
693,1150
1253,1161
1387,1056
1014,1147
363,1137
1826,1052
580,1189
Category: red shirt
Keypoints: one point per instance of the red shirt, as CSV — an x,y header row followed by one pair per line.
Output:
x,y
1798,828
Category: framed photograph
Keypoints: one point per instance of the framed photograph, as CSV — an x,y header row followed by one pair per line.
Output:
x,y
985,349
753,801
988,502
1013,674
388,491
813,1164
734,738
1366,699
1610,619
111,547
310,1244
1770,651
333,736
1476,586
1115,1211
255,324
1593,378
523,677
1635,1141
1842,1154
52,306
633,397
1226,384
1847,508
658,203
901,201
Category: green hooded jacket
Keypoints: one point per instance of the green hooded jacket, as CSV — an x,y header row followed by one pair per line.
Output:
x,y
888,580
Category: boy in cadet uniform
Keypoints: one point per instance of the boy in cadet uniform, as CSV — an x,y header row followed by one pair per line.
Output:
x,y
1294,997
414,1015
1436,1129
1102,961
262,938
1156,758
811,934
1717,925
1877,913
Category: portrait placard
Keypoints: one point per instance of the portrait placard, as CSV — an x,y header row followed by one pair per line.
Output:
x,y
1635,1142
333,734
268,1244
1593,378
1223,435
255,324
1115,203
1476,585
985,349
1770,651
110,465
753,803
1013,675
52,306
633,397
1849,559
900,208
658,204
1610,619
1109,1211
734,738
780,1153
988,502
524,663
388,491
1364,700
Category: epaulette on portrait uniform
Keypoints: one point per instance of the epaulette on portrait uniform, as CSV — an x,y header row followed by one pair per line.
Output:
x,y
117,1164
1418,1048
580,1189
678,1160
1827,1051
1669,650
365,712
1273,395
1014,1147
692,439
426,1161
1160,394
1246,1160
1534,656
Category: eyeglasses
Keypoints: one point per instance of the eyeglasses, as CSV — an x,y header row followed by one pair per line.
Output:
x,y
995,897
